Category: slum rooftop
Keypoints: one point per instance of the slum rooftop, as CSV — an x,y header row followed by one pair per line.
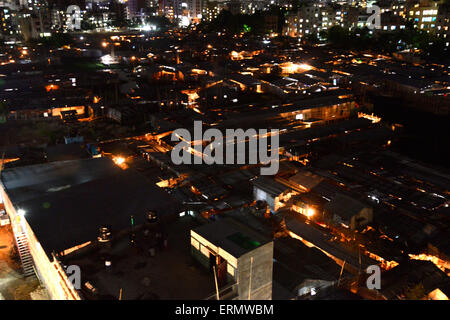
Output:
x,y
134,274
67,201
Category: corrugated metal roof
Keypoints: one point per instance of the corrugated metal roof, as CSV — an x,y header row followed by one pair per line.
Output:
x,y
269,185
344,206
306,179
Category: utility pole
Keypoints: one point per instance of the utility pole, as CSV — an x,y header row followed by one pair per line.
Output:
x,y
250,280
340,274
215,280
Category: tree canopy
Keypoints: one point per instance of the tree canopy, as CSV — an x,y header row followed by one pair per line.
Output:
x,y
247,23
428,44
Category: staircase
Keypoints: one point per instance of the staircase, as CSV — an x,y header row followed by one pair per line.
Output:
x,y
25,255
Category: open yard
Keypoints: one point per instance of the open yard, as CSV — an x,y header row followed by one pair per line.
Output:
x,y
13,286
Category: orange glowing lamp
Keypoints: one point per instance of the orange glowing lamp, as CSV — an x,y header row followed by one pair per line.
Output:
x,y
51,87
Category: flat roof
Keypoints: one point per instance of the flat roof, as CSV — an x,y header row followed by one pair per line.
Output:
x,y
171,274
231,236
67,201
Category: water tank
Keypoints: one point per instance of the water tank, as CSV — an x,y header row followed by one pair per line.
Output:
x,y
152,217
104,234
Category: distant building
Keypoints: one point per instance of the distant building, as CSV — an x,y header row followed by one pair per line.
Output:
x,y
391,22
234,6
186,12
311,19
250,7
443,24
307,21
270,23
424,15
131,9
211,10
8,23
35,25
